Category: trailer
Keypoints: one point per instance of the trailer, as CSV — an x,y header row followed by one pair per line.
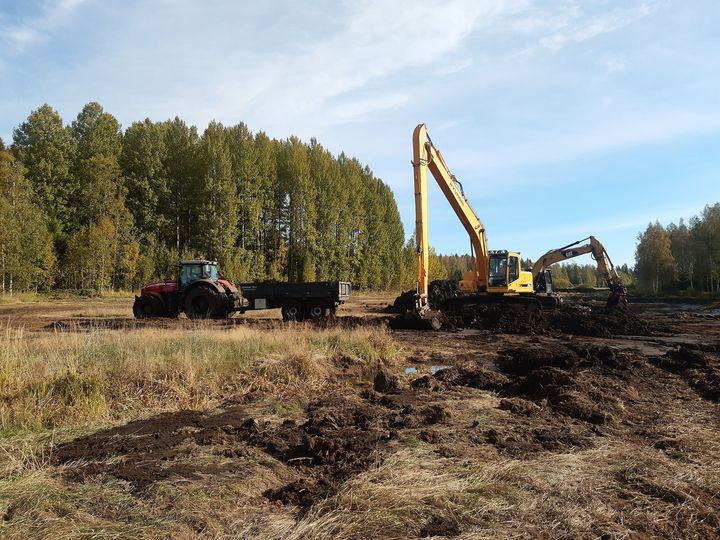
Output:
x,y
297,301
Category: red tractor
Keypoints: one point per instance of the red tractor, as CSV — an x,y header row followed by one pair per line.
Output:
x,y
198,291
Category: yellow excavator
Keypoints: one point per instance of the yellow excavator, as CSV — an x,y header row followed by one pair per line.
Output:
x,y
618,292
494,276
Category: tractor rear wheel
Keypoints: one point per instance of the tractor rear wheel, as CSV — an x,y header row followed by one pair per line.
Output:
x,y
292,311
204,303
147,306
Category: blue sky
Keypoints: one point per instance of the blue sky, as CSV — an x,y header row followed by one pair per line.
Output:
x,y
561,118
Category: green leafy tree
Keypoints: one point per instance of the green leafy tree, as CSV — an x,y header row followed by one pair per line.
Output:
x,y
97,133
148,194
47,151
215,196
683,256
26,254
182,167
654,261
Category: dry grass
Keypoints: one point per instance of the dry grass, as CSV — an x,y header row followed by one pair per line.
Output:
x,y
56,386
52,380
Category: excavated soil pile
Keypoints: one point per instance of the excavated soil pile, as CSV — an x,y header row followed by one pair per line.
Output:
x,y
403,303
559,396
588,384
578,320
698,364
438,291
341,437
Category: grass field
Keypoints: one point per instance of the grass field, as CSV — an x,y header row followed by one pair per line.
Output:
x,y
263,430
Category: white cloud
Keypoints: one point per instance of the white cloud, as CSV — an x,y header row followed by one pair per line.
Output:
x,y
572,25
24,33
380,39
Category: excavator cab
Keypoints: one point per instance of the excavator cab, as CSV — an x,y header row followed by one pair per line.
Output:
x,y
505,275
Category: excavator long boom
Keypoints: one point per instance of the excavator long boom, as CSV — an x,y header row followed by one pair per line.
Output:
x,y
598,253
426,156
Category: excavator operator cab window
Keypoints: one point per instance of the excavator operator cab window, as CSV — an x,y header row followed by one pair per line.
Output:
x,y
514,267
498,270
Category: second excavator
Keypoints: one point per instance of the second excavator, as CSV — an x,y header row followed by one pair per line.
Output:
x,y
618,292
494,276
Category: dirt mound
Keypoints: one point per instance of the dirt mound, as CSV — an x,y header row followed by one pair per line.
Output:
x,y
474,377
588,384
600,322
341,437
302,493
438,291
584,383
701,369
524,360
518,442
576,320
404,302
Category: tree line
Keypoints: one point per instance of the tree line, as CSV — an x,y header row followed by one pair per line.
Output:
x,y
681,257
88,205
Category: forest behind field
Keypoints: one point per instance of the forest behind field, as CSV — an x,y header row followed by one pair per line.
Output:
x,y
86,205
682,256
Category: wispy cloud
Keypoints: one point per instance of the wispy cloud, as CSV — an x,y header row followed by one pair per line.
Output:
x,y
568,24
18,35
380,39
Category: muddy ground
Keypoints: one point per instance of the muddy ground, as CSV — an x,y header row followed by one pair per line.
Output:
x,y
482,391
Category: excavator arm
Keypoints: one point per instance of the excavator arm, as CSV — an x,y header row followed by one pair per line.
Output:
x,y
427,157
599,254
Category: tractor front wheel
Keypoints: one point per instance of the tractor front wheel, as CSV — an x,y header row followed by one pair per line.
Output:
x,y
204,303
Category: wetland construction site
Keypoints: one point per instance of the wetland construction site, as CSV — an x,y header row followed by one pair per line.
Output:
x,y
582,422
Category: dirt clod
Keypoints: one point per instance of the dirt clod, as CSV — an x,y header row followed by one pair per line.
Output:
x,y
440,526
519,406
385,382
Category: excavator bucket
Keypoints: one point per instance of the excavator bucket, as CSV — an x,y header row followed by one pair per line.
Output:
x,y
618,301
412,320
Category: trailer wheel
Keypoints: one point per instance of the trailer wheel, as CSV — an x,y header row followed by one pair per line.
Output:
x,y
315,310
292,311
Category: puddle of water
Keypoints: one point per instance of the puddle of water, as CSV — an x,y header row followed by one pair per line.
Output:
x,y
433,369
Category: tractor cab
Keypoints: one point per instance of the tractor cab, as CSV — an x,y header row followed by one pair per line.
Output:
x,y
195,270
